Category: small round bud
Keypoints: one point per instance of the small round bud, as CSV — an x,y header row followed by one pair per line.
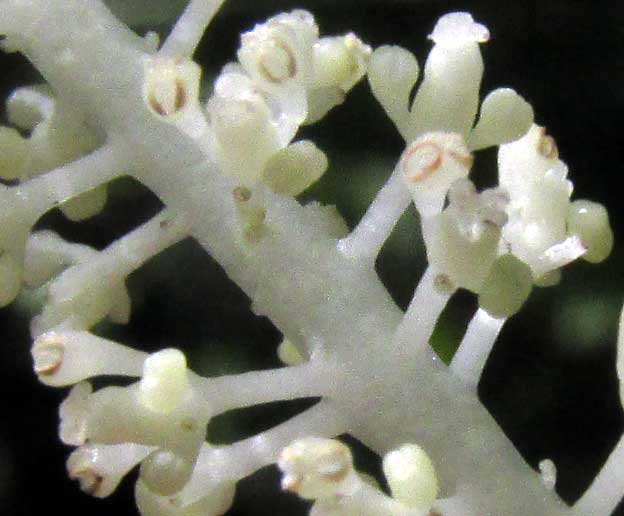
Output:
x,y
505,117
340,61
293,169
10,278
315,468
392,73
165,473
411,477
14,156
590,221
165,381
86,205
506,287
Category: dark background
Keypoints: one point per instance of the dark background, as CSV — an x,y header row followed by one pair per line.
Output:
x,y
550,381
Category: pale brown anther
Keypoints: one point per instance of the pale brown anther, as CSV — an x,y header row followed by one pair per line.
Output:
x,y
47,353
546,146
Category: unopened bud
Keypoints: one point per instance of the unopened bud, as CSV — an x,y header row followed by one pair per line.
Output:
x,y
165,381
411,477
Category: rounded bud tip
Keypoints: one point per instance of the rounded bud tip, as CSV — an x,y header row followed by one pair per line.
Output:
x,y
411,476
165,381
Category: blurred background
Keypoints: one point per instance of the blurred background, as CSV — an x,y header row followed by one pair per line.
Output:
x,y
550,382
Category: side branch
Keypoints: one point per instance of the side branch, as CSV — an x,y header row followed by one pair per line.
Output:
x,y
189,29
475,348
367,239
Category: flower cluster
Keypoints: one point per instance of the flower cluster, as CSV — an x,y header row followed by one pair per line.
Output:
x,y
228,170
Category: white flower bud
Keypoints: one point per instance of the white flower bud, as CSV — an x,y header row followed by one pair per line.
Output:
x,y
85,205
165,473
10,277
590,221
293,169
14,154
340,61
165,381
505,117
411,477
392,73
170,85
315,468
506,287
430,165
448,97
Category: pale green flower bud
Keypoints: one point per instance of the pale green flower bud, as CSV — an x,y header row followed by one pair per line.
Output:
x,y
505,117
293,169
392,73
506,287
165,473
165,381
340,61
411,476
590,221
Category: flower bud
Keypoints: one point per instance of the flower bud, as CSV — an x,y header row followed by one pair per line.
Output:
x,y
165,473
506,287
448,97
505,117
293,169
165,381
590,221
340,61
392,73
411,477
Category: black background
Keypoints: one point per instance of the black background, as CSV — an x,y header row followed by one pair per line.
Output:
x,y
550,381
